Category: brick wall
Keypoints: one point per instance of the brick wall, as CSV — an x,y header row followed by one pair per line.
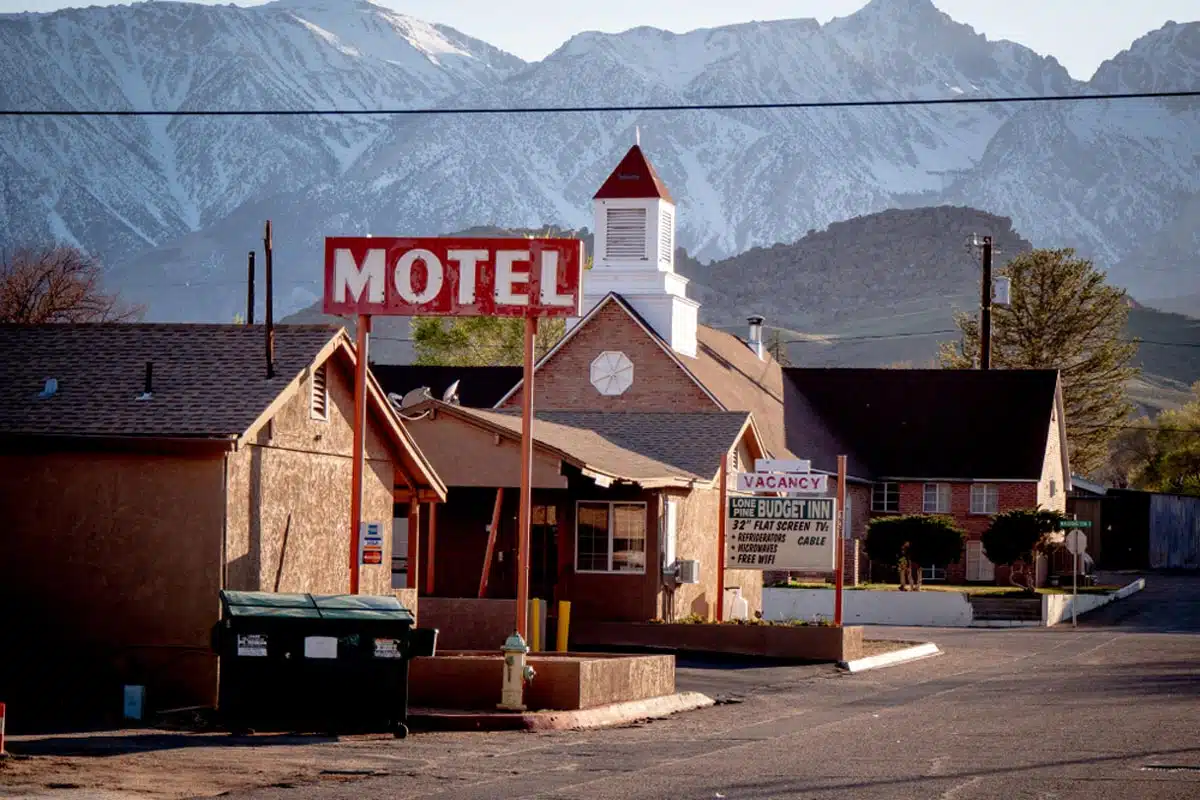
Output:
x,y
564,381
1011,496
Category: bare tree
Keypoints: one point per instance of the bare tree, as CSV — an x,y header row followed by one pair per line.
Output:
x,y
58,284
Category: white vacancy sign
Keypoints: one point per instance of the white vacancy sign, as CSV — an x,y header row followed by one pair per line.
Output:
x,y
781,533
782,465
798,483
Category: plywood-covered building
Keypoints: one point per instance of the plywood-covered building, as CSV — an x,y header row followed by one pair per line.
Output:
x,y
145,467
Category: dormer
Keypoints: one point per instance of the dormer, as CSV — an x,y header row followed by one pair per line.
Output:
x,y
635,217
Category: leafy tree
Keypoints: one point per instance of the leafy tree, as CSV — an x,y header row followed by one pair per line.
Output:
x,y
1172,463
1015,537
480,341
57,284
911,541
483,341
1063,316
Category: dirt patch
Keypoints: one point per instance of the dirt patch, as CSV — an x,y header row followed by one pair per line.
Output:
x,y
169,765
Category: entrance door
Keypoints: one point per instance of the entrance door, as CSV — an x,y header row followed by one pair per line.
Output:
x,y
543,560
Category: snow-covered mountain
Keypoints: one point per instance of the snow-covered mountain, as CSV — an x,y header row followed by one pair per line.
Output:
x,y
174,203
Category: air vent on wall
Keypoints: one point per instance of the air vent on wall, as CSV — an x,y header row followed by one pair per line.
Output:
x,y
320,393
625,237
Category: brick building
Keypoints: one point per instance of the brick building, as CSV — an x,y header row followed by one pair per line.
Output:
x,y
146,467
966,443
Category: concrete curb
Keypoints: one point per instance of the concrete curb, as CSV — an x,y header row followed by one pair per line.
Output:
x,y
1132,588
888,659
598,717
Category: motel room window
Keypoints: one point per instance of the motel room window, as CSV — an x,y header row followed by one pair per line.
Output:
x,y
937,498
885,497
985,498
610,537
320,393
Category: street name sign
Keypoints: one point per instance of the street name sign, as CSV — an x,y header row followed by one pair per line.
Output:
x,y
781,533
453,276
1075,523
799,483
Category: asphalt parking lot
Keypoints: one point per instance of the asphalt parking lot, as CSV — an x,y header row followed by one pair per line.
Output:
x,y
1108,710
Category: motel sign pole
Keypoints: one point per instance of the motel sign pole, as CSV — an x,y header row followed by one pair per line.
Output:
x,y
839,578
525,513
363,328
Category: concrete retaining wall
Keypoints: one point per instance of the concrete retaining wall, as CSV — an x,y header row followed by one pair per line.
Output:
x,y
940,609
1056,608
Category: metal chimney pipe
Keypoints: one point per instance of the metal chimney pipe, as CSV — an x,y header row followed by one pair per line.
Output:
x,y
250,288
756,340
270,310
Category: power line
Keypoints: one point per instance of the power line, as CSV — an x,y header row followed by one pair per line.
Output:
x,y
483,110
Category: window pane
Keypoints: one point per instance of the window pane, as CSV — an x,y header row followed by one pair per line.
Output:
x,y
591,554
943,498
629,537
937,498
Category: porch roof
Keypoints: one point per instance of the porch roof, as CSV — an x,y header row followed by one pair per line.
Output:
x,y
651,449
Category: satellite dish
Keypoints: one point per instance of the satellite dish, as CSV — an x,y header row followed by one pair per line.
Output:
x,y
412,397
451,394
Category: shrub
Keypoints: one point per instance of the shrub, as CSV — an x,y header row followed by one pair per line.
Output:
x,y
1015,537
909,541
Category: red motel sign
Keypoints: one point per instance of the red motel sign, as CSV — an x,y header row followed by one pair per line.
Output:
x,y
453,277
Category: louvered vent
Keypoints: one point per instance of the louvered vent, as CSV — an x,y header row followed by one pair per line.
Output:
x,y
666,235
626,238
320,394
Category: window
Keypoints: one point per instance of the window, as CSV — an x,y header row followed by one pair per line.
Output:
x,y
934,573
979,568
1053,487
885,497
320,394
625,235
610,537
937,498
985,498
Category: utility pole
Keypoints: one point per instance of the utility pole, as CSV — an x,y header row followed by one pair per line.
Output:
x,y
985,332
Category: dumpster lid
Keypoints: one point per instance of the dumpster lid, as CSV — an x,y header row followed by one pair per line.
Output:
x,y
314,606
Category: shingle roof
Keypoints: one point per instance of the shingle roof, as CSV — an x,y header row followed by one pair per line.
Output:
x,y
634,178
638,446
209,381
479,387
922,423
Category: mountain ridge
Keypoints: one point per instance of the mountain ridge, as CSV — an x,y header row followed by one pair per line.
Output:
x,y
173,205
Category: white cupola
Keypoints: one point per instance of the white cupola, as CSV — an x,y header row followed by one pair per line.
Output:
x,y
635,252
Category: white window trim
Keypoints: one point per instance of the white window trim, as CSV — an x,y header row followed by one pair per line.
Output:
x,y
312,395
984,487
885,509
610,570
937,505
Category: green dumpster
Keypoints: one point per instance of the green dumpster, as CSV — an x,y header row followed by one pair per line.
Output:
x,y
318,663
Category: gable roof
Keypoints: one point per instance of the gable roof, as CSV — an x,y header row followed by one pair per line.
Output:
x,y
209,383
725,368
924,423
634,178
651,449
478,387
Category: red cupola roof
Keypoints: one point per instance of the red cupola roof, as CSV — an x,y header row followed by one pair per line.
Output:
x,y
633,178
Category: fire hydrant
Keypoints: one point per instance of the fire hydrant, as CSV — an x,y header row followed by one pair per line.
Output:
x,y
516,673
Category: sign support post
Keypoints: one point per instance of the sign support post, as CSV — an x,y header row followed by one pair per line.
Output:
x,y
1075,585
723,504
363,328
525,513
839,578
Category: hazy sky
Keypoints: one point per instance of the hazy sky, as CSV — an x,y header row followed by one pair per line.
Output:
x,y
1079,33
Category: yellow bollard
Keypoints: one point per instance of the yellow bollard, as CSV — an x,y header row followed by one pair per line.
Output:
x,y
535,625
564,625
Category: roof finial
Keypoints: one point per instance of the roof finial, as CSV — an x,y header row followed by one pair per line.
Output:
x,y
637,135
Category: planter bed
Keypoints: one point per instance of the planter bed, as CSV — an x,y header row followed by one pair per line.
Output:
x,y
790,642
